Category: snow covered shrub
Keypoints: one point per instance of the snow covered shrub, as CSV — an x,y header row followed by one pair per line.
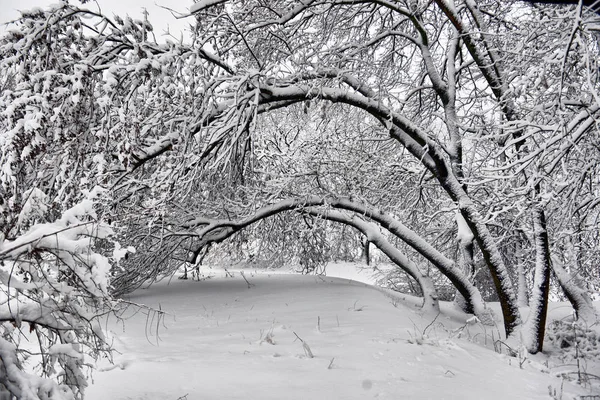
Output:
x,y
575,340
54,289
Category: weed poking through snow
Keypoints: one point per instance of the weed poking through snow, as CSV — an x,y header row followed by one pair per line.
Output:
x,y
307,351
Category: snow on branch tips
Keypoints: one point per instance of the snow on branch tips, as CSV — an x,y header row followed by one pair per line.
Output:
x,y
204,4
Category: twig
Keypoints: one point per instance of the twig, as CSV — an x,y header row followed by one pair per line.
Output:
x,y
430,324
356,309
331,363
244,276
305,346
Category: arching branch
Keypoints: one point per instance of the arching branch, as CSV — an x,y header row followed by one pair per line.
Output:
x,y
374,235
215,231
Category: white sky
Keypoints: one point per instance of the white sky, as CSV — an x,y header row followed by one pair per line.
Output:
x,y
160,18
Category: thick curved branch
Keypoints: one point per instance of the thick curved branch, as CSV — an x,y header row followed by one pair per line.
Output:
x,y
347,78
460,281
215,231
219,230
573,289
374,235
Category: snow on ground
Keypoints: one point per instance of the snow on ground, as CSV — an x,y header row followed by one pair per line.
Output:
x,y
348,270
221,339
357,272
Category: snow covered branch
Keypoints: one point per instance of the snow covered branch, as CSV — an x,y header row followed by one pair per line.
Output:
x,y
53,280
211,231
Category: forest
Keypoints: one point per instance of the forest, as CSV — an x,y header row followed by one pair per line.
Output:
x,y
455,139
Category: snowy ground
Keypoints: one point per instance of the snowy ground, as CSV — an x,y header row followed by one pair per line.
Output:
x,y
221,339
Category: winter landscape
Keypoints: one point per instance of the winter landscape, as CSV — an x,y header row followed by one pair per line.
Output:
x,y
300,199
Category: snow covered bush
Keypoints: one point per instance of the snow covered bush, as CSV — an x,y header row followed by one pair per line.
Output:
x,y
54,288
574,340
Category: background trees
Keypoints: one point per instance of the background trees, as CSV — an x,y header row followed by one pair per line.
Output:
x,y
460,138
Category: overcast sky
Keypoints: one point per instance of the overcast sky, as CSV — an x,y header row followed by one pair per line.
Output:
x,y
160,18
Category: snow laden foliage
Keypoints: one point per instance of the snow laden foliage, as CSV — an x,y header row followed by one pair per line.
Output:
x,y
56,245
576,340
54,288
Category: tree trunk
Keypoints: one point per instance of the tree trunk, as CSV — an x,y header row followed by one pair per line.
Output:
x,y
535,326
489,250
577,295
200,260
366,253
522,297
464,258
